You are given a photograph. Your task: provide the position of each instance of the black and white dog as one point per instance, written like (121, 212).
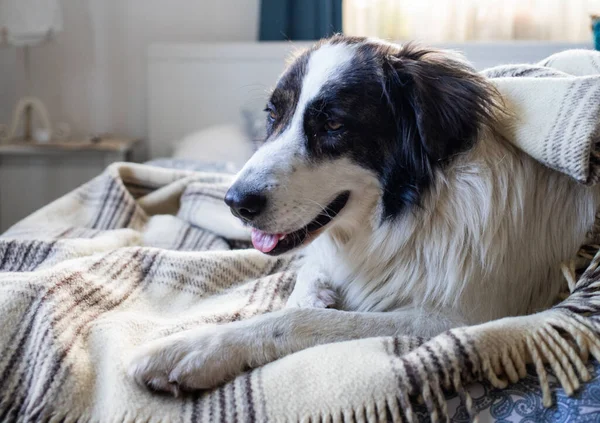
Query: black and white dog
(382, 160)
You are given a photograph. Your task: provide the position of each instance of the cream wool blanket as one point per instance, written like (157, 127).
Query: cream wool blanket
(142, 252)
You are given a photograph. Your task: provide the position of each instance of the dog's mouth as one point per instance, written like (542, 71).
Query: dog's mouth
(279, 243)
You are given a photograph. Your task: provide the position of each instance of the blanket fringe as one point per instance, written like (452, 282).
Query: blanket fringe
(560, 339)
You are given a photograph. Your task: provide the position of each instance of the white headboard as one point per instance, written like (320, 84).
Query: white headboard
(193, 86)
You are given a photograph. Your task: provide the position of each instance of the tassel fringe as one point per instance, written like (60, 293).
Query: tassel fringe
(561, 339)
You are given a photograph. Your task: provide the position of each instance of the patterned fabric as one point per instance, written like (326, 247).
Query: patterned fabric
(553, 110)
(142, 252)
(521, 402)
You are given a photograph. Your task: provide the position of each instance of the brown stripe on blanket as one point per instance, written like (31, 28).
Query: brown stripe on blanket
(68, 308)
(92, 301)
(233, 406)
(19, 253)
(395, 348)
(35, 363)
(197, 409)
(195, 241)
(557, 134)
(433, 396)
(535, 72)
(113, 205)
(89, 299)
(212, 242)
(105, 199)
(565, 103)
(32, 314)
(9, 368)
(120, 204)
(6, 252)
(440, 370)
(579, 118)
(205, 274)
(283, 279)
(115, 202)
(127, 211)
(222, 404)
(210, 398)
(466, 360)
(249, 404)
(25, 257)
(133, 209)
(44, 255)
(104, 304)
(238, 314)
(262, 413)
(185, 231)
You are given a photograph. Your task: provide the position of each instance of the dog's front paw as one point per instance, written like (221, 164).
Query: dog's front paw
(318, 296)
(190, 360)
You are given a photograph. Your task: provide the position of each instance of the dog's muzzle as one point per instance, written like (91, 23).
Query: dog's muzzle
(248, 205)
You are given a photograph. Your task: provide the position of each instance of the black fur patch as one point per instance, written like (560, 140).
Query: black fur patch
(285, 96)
(440, 105)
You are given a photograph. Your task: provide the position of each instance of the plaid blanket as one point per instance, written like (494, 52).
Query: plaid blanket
(141, 252)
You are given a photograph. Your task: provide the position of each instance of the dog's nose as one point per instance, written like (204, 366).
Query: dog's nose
(245, 205)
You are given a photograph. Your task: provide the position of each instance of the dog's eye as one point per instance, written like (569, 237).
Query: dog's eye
(272, 114)
(333, 125)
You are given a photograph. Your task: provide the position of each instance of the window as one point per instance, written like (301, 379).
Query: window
(471, 20)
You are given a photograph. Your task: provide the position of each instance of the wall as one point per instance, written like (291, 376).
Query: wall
(93, 75)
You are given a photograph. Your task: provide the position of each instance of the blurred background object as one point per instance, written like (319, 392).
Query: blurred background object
(299, 19)
(25, 24)
(470, 20)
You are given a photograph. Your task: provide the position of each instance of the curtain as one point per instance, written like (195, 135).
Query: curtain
(596, 30)
(299, 19)
(466, 20)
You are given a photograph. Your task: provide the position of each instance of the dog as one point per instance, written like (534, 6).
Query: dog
(383, 162)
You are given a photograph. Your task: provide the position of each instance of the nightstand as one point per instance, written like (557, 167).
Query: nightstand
(33, 175)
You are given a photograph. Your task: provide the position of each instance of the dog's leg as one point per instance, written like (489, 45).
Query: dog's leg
(312, 290)
(206, 357)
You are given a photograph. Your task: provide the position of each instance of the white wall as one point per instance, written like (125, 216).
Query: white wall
(93, 75)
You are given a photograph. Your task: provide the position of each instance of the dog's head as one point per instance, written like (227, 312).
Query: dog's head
(356, 128)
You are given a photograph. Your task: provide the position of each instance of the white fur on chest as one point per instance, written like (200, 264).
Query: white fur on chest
(487, 243)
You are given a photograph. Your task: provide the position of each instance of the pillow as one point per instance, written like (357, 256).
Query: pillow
(218, 143)
(195, 165)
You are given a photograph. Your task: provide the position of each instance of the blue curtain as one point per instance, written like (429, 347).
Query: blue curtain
(299, 19)
(596, 31)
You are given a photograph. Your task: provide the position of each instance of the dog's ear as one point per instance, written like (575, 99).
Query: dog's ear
(438, 99)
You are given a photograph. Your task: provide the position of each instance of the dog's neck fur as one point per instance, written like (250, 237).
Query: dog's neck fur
(487, 241)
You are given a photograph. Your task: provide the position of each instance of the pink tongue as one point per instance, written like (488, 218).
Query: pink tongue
(263, 241)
